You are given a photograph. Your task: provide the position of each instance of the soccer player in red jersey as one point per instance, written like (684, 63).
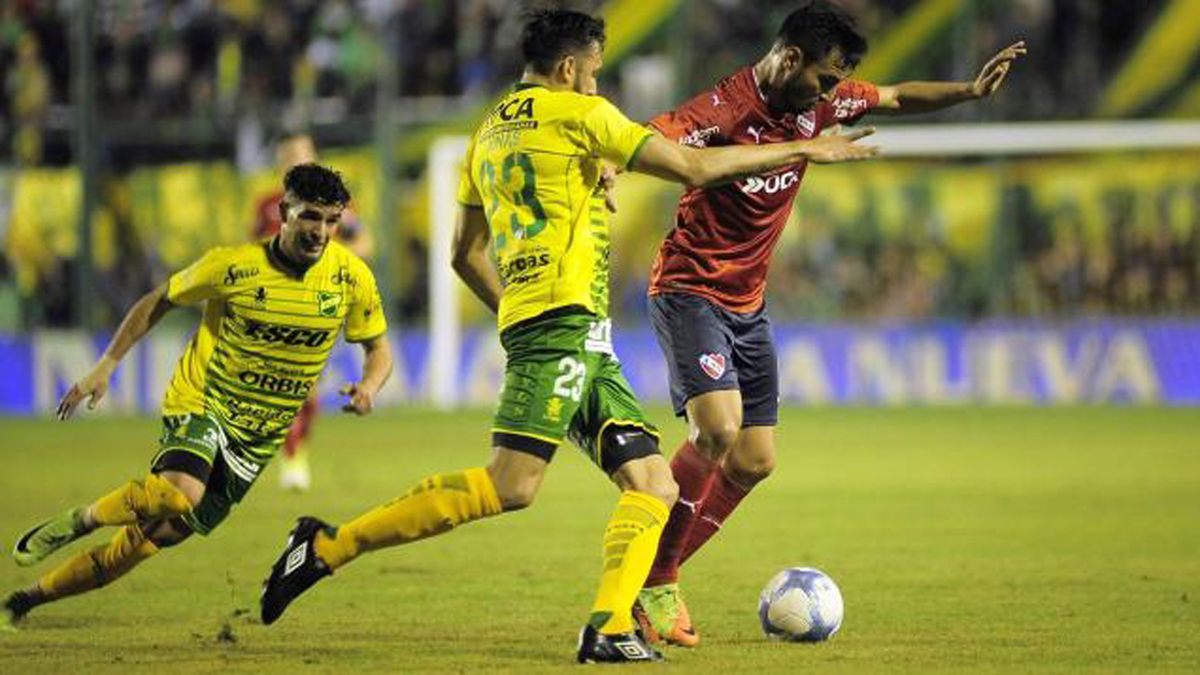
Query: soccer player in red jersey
(707, 284)
(293, 150)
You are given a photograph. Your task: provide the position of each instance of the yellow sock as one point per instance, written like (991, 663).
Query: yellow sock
(630, 544)
(434, 506)
(99, 566)
(152, 498)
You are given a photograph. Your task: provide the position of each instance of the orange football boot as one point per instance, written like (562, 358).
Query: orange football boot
(663, 616)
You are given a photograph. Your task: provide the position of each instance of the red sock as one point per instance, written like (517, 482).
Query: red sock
(693, 470)
(722, 499)
(300, 427)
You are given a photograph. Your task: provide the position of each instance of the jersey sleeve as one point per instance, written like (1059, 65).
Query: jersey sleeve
(468, 191)
(696, 122)
(365, 320)
(200, 281)
(852, 99)
(612, 135)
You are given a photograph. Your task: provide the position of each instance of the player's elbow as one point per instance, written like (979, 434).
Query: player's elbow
(460, 255)
(461, 260)
(157, 300)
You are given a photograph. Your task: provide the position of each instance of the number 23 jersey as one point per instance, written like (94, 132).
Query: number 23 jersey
(534, 167)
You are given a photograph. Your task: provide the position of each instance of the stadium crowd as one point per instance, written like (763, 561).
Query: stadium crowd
(159, 60)
(171, 58)
(1053, 271)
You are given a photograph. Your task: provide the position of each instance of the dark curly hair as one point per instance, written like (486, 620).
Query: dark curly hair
(551, 34)
(818, 26)
(317, 184)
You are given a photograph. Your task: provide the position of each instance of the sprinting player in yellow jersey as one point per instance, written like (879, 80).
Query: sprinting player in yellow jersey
(272, 313)
(532, 189)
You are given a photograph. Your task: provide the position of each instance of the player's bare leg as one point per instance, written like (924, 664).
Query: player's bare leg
(436, 505)
(750, 462)
(148, 514)
(294, 471)
(714, 421)
(648, 491)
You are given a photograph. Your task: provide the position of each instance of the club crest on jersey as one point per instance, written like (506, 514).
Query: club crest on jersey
(713, 365)
(327, 303)
(807, 123)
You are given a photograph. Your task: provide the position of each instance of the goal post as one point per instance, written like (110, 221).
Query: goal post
(898, 142)
(445, 324)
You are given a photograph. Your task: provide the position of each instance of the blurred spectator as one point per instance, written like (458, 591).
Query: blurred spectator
(28, 89)
(242, 71)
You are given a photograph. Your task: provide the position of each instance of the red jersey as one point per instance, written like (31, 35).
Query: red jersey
(721, 244)
(267, 220)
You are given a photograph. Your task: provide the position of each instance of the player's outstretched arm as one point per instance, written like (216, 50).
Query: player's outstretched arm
(377, 368)
(699, 167)
(912, 98)
(470, 256)
(137, 322)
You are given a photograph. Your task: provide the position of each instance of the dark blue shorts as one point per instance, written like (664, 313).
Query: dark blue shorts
(709, 348)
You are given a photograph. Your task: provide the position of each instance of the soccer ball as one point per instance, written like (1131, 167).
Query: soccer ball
(800, 604)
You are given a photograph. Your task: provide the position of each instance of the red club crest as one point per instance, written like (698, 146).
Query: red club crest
(713, 365)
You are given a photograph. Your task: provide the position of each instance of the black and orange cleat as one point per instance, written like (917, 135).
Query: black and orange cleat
(663, 616)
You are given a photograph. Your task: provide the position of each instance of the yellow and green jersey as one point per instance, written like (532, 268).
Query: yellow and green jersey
(265, 335)
(534, 167)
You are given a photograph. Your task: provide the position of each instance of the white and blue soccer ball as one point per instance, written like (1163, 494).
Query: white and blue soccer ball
(801, 604)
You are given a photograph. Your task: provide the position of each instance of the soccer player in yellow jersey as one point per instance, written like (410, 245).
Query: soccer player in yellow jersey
(531, 189)
(272, 313)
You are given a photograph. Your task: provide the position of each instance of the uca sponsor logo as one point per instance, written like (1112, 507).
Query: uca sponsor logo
(771, 184)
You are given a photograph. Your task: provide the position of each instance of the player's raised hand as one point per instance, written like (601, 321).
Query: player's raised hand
(835, 147)
(93, 387)
(362, 400)
(994, 71)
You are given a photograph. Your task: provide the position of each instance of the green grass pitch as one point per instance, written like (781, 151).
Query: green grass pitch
(963, 539)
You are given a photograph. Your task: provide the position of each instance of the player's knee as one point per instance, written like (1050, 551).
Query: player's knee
(516, 476)
(516, 495)
(167, 533)
(646, 471)
(662, 486)
(659, 484)
(716, 439)
(174, 492)
(749, 471)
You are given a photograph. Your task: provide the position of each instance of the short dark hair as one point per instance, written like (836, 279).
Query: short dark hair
(818, 26)
(317, 184)
(551, 34)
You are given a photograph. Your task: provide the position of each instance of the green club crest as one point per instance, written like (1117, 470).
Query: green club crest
(327, 303)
